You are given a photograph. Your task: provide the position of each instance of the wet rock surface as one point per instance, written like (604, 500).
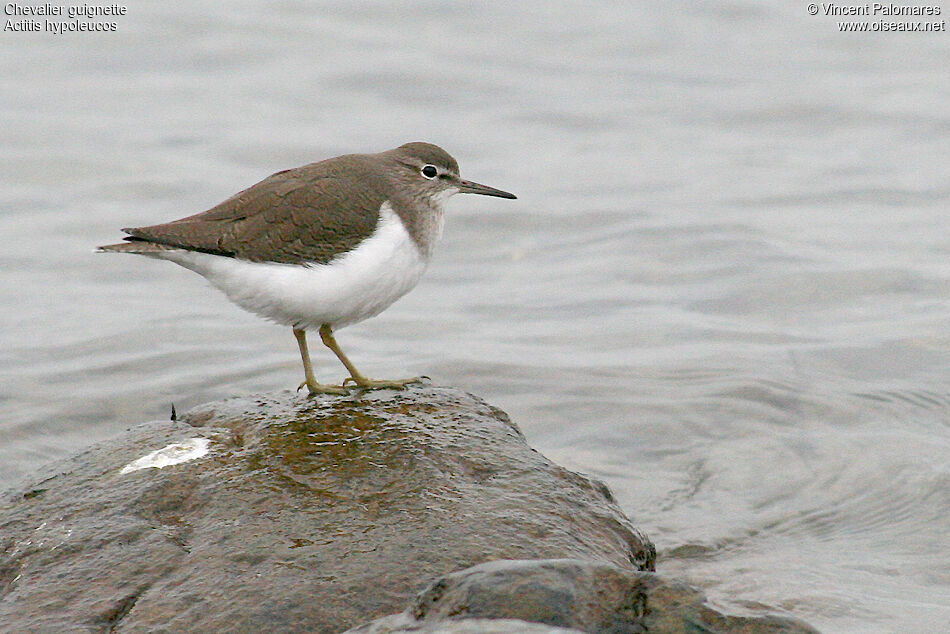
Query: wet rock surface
(285, 513)
(318, 514)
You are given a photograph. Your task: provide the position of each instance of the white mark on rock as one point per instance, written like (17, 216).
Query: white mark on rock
(176, 453)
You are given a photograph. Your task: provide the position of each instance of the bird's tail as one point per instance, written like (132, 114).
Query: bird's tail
(134, 246)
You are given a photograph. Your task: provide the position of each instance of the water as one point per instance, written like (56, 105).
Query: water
(724, 289)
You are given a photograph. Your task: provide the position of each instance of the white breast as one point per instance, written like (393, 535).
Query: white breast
(351, 288)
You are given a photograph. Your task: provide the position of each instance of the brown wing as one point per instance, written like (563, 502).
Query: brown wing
(308, 214)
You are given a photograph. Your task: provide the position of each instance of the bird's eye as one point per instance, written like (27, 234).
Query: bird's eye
(429, 171)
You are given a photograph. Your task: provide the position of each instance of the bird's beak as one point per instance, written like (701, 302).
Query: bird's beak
(468, 187)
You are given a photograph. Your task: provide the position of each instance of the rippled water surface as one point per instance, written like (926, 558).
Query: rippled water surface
(724, 289)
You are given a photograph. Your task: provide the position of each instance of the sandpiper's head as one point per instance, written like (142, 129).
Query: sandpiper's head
(430, 172)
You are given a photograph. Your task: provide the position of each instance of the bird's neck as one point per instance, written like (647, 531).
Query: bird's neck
(423, 220)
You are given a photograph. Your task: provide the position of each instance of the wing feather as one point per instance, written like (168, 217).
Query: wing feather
(308, 214)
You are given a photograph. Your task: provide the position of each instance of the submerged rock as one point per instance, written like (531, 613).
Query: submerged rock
(285, 513)
(584, 596)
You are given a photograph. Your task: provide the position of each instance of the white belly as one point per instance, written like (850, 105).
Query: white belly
(353, 287)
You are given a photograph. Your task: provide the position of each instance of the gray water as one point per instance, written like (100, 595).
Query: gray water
(724, 289)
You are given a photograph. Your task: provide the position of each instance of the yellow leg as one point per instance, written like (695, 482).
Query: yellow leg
(326, 335)
(310, 381)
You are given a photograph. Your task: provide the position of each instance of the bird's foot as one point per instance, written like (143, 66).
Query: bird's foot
(362, 382)
(320, 388)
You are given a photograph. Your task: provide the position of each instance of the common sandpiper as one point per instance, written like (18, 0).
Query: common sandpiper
(321, 246)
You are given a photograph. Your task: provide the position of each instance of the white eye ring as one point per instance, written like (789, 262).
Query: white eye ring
(429, 171)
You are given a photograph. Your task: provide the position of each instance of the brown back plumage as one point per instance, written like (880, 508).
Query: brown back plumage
(307, 214)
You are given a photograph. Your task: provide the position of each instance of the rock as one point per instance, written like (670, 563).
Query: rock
(285, 513)
(585, 596)
(404, 624)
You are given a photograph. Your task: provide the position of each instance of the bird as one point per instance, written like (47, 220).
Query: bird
(321, 246)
